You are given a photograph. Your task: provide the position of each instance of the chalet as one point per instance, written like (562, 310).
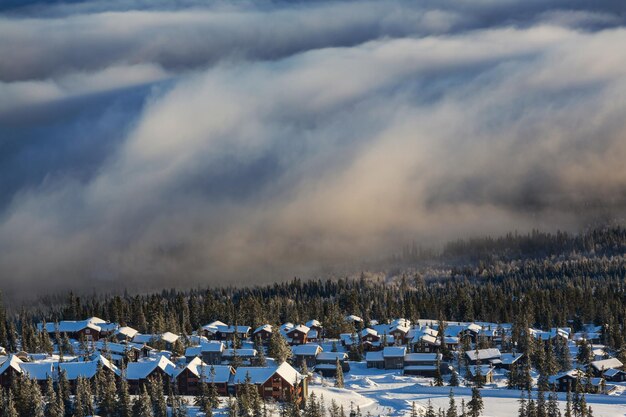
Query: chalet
(211, 352)
(87, 329)
(484, 356)
(138, 373)
(316, 330)
(228, 332)
(486, 373)
(423, 364)
(125, 334)
(297, 335)
(614, 375)
(394, 357)
(506, 360)
(568, 380)
(189, 377)
(599, 367)
(119, 352)
(10, 368)
(87, 369)
(425, 340)
(210, 330)
(374, 359)
(305, 354)
(348, 339)
(279, 383)
(463, 330)
(399, 333)
(246, 355)
(327, 363)
(167, 339)
(264, 333)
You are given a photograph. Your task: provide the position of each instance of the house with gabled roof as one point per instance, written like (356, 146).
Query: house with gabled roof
(305, 354)
(280, 383)
(10, 368)
(394, 357)
(139, 373)
(423, 364)
(210, 352)
(189, 378)
(263, 333)
(327, 363)
(125, 334)
(297, 335)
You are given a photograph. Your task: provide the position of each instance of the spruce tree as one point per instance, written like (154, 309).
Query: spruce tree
(159, 406)
(10, 410)
(279, 348)
(124, 405)
(475, 406)
(523, 406)
(438, 377)
(338, 374)
(454, 379)
(143, 406)
(451, 405)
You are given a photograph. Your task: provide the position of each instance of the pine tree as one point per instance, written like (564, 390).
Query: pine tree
(568, 404)
(430, 411)
(414, 410)
(339, 374)
(451, 405)
(159, 407)
(475, 405)
(279, 348)
(107, 398)
(454, 379)
(553, 406)
(124, 405)
(10, 410)
(523, 406)
(213, 395)
(143, 406)
(438, 377)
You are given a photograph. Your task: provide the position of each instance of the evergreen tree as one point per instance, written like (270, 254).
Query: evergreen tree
(143, 405)
(339, 374)
(523, 406)
(124, 405)
(475, 406)
(438, 377)
(454, 379)
(159, 406)
(10, 410)
(553, 406)
(430, 411)
(451, 406)
(278, 348)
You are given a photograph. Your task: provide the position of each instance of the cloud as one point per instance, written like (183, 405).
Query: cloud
(220, 148)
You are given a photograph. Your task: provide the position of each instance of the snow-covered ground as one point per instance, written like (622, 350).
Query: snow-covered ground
(388, 393)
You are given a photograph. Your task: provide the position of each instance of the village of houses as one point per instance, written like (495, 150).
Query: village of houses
(407, 354)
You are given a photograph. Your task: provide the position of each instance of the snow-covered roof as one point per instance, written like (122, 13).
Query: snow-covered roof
(127, 331)
(38, 370)
(353, 318)
(376, 356)
(266, 327)
(233, 329)
(197, 367)
(394, 351)
(207, 347)
(612, 372)
(169, 337)
(309, 349)
(313, 323)
(300, 328)
(69, 326)
(509, 358)
(483, 354)
(261, 375)
(312, 334)
(10, 361)
(607, 364)
(141, 370)
(332, 356)
(420, 367)
(368, 332)
(422, 357)
(243, 353)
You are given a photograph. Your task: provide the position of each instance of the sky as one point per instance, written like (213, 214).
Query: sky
(149, 144)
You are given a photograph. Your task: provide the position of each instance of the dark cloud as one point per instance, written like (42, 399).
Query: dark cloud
(154, 145)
